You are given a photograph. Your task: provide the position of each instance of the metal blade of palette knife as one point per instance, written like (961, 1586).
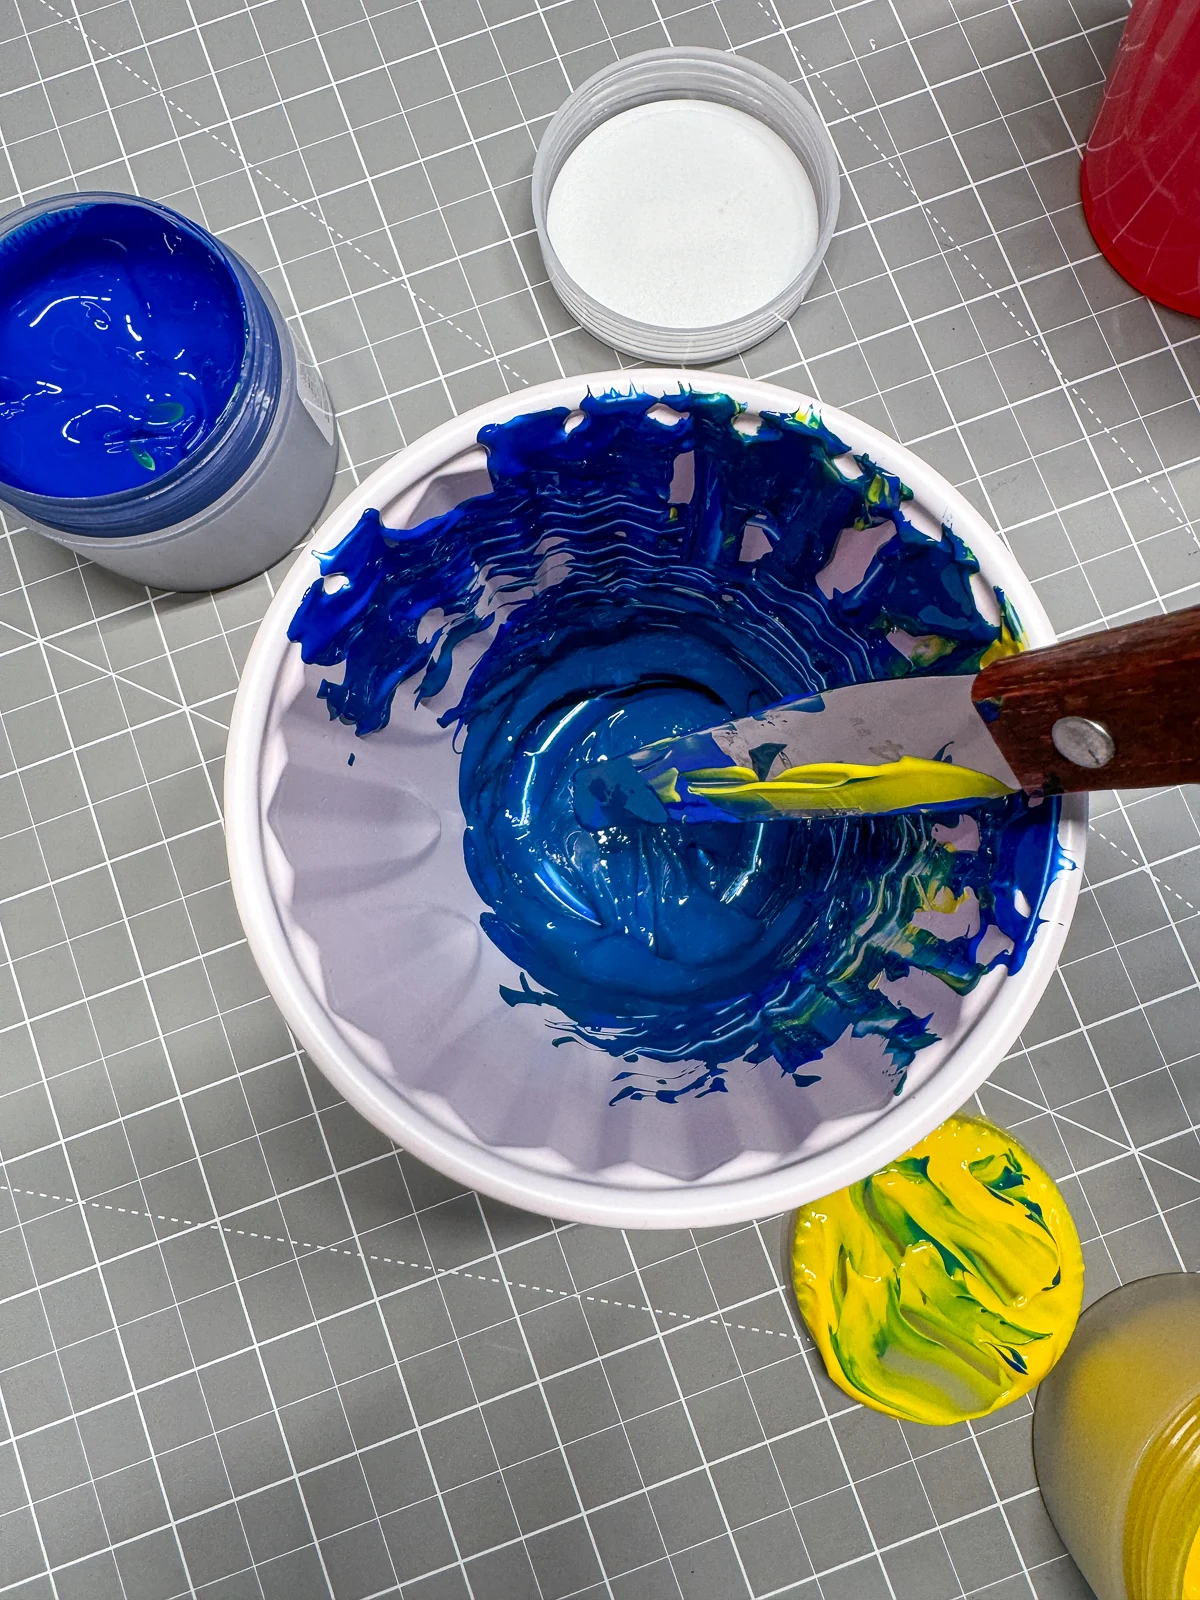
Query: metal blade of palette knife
(895, 745)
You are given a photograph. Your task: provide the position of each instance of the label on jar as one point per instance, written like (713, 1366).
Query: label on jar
(312, 394)
(311, 387)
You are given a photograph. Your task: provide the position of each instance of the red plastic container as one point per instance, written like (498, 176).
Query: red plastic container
(1141, 169)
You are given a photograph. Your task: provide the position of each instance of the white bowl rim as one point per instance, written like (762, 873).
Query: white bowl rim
(720, 1202)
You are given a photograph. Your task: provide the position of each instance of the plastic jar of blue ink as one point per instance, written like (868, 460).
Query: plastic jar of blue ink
(155, 412)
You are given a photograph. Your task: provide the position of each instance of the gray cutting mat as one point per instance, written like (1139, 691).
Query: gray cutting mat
(249, 1348)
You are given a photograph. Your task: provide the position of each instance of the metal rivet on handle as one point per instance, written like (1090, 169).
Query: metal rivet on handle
(1084, 743)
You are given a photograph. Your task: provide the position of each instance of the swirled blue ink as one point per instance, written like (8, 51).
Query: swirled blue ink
(632, 617)
(121, 343)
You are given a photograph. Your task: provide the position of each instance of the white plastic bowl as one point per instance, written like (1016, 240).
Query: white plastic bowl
(358, 909)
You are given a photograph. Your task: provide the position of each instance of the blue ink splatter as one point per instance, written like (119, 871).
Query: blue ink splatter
(633, 618)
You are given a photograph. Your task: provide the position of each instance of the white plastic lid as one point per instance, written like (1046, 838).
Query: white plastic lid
(684, 199)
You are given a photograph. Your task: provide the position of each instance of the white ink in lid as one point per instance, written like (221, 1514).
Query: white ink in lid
(684, 199)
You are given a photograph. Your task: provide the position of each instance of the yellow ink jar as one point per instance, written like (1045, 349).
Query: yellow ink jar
(1116, 1441)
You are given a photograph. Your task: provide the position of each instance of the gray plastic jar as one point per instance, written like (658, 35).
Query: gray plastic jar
(255, 484)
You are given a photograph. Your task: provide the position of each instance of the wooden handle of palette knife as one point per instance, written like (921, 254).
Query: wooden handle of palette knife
(1114, 710)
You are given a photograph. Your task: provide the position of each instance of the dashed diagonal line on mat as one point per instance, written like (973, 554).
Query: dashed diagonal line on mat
(1032, 334)
(685, 1317)
(402, 277)
(1143, 866)
(399, 276)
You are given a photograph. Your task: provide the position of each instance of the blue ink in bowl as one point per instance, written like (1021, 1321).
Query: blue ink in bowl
(121, 340)
(631, 616)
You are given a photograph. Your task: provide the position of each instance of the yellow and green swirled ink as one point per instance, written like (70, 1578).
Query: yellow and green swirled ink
(944, 1285)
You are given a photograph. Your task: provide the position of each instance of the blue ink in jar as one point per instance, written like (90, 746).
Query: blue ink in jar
(155, 413)
(121, 340)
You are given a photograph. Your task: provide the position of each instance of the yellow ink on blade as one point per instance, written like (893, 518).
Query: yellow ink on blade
(665, 786)
(944, 1285)
(843, 786)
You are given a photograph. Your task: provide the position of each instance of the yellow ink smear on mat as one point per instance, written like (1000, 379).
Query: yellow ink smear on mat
(944, 1285)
